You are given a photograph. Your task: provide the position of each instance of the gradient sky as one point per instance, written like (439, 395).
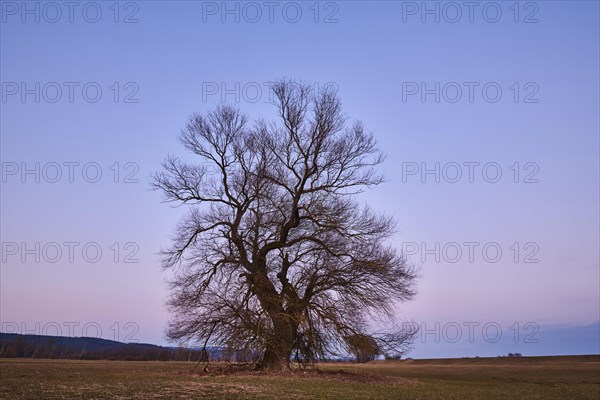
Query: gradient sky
(177, 58)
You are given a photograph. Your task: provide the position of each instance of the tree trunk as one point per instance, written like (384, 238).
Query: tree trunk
(279, 345)
(279, 348)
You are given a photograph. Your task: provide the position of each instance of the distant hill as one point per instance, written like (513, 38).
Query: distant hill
(14, 345)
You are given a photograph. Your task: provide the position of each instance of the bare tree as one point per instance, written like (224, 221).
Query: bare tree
(276, 256)
(364, 347)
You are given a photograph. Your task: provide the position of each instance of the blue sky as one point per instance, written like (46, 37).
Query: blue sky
(161, 61)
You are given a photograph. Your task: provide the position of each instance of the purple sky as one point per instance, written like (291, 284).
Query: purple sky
(489, 117)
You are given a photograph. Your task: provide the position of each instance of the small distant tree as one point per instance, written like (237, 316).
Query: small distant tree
(364, 347)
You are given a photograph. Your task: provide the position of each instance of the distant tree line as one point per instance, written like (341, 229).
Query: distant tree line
(32, 346)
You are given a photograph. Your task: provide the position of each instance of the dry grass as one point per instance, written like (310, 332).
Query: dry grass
(526, 378)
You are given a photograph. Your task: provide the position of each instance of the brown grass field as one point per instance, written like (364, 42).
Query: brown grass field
(564, 377)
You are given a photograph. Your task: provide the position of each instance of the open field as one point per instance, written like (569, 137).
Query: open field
(571, 377)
